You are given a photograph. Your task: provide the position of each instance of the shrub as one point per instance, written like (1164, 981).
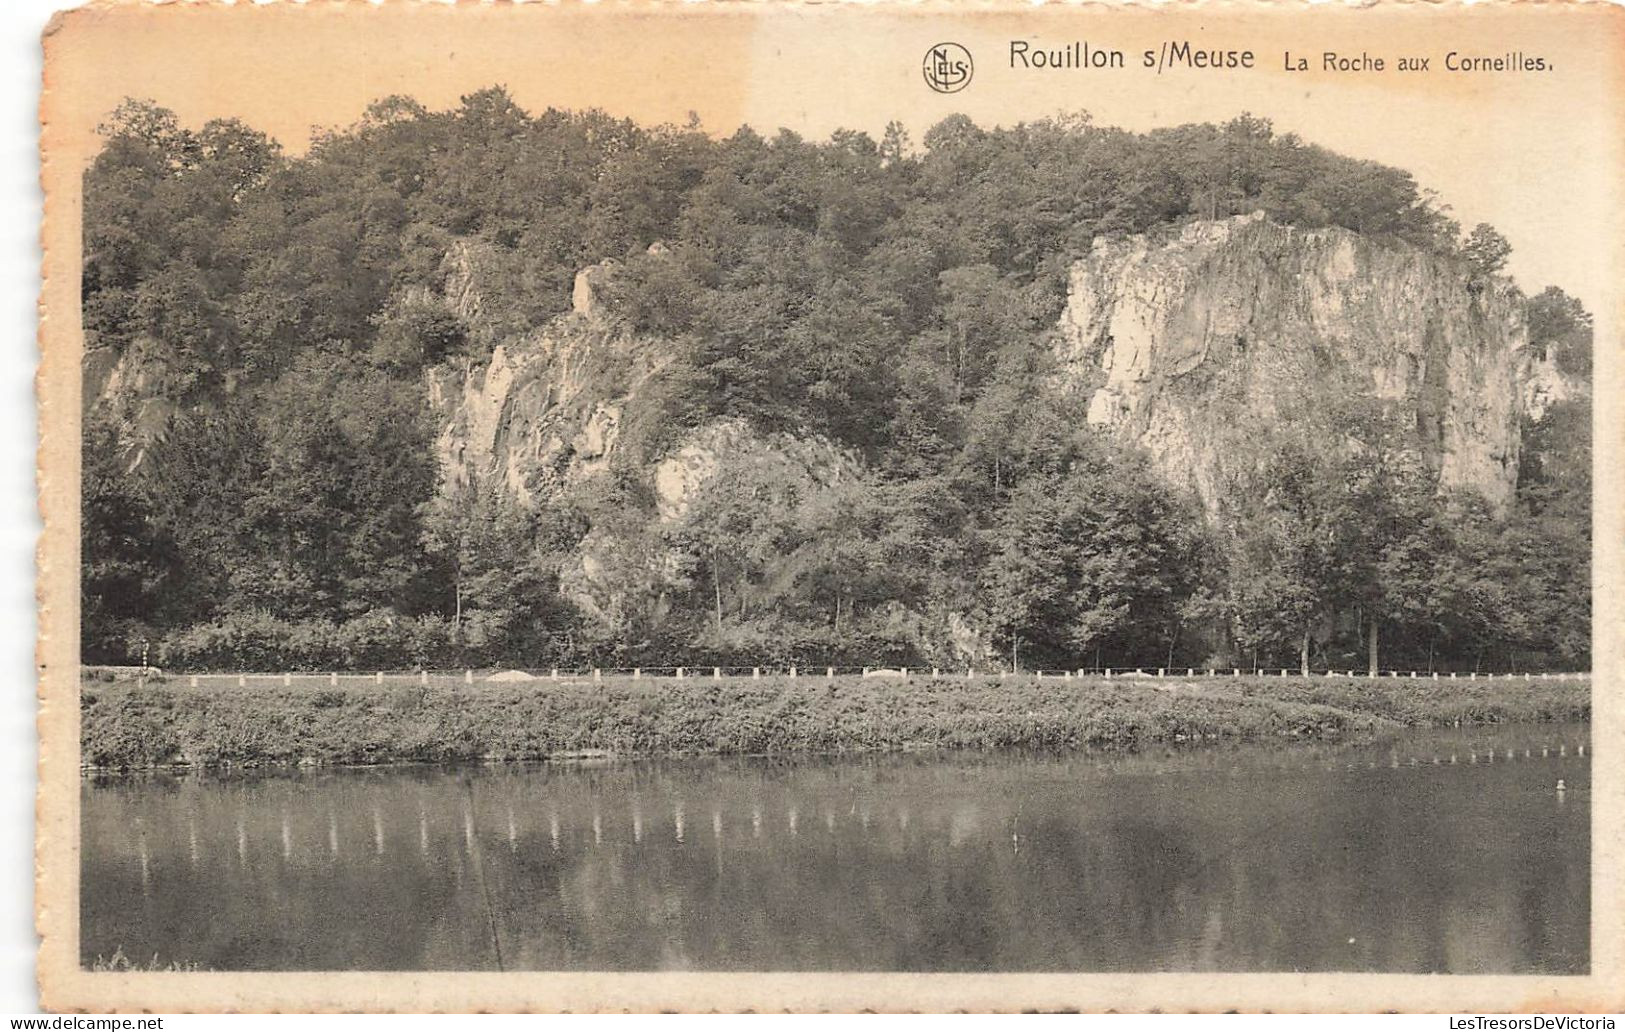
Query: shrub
(378, 640)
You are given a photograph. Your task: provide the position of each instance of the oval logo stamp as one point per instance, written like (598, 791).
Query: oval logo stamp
(948, 67)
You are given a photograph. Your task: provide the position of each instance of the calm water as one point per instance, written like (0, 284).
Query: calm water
(1214, 858)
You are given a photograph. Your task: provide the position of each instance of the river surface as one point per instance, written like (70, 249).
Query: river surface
(1438, 852)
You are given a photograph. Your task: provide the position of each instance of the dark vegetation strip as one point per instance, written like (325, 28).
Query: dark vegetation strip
(127, 725)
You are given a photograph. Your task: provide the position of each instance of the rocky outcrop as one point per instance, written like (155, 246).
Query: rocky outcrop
(1196, 344)
(1199, 342)
(589, 283)
(1546, 384)
(134, 391)
(540, 413)
(547, 413)
(811, 462)
(625, 572)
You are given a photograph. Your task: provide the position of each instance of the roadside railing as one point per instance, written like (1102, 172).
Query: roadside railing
(576, 675)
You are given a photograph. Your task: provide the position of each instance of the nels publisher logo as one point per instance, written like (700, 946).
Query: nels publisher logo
(948, 67)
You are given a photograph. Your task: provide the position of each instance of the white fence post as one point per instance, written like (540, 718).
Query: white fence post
(597, 674)
(287, 680)
(423, 677)
(379, 676)
(468, 677)
(333, 679)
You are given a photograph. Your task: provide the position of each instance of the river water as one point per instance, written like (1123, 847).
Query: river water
(1437, 852)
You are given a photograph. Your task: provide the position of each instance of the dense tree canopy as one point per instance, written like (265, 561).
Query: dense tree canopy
(274, 470)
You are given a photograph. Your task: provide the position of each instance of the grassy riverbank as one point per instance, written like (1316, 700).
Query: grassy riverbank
(125, 724)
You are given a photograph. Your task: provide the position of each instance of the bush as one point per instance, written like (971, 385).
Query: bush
(378, 640)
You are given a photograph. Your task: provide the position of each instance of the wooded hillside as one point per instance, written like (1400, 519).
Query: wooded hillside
(261, 490)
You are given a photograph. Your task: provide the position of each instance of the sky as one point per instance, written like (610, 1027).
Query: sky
(1537, 154)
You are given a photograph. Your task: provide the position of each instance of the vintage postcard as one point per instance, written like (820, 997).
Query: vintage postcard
(774, 506)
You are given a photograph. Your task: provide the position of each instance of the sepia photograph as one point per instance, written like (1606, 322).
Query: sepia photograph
(626, 493)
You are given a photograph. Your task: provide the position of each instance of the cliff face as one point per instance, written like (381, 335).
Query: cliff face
(1197, 344)
(540, 414)
(546, 413)
(1546, 384)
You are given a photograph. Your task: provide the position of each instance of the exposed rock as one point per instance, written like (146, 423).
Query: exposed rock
(1546, 385)
(541, 413)
(622, 574)
(1197, 342)
(135, 391)
(462, 270)
(1192, 343)
(969, 644)
(101, 369)
(584, 299)
(617, 579)
(679, 476)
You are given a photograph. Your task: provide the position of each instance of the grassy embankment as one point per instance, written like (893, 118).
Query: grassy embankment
(125, 724)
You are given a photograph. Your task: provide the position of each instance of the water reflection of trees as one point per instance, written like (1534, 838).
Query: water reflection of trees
(1039, 863)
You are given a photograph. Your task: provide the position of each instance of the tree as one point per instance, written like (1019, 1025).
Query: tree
(1093, 556)
(1485, 250)
(417, 329)
(1287, 548)
(503, 564)
(1560, 328)
(127, 562)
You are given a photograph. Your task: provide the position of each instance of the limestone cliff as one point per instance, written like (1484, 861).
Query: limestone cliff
(546, 414)
(1198, 342)
(1195, 343)
(540, 413)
